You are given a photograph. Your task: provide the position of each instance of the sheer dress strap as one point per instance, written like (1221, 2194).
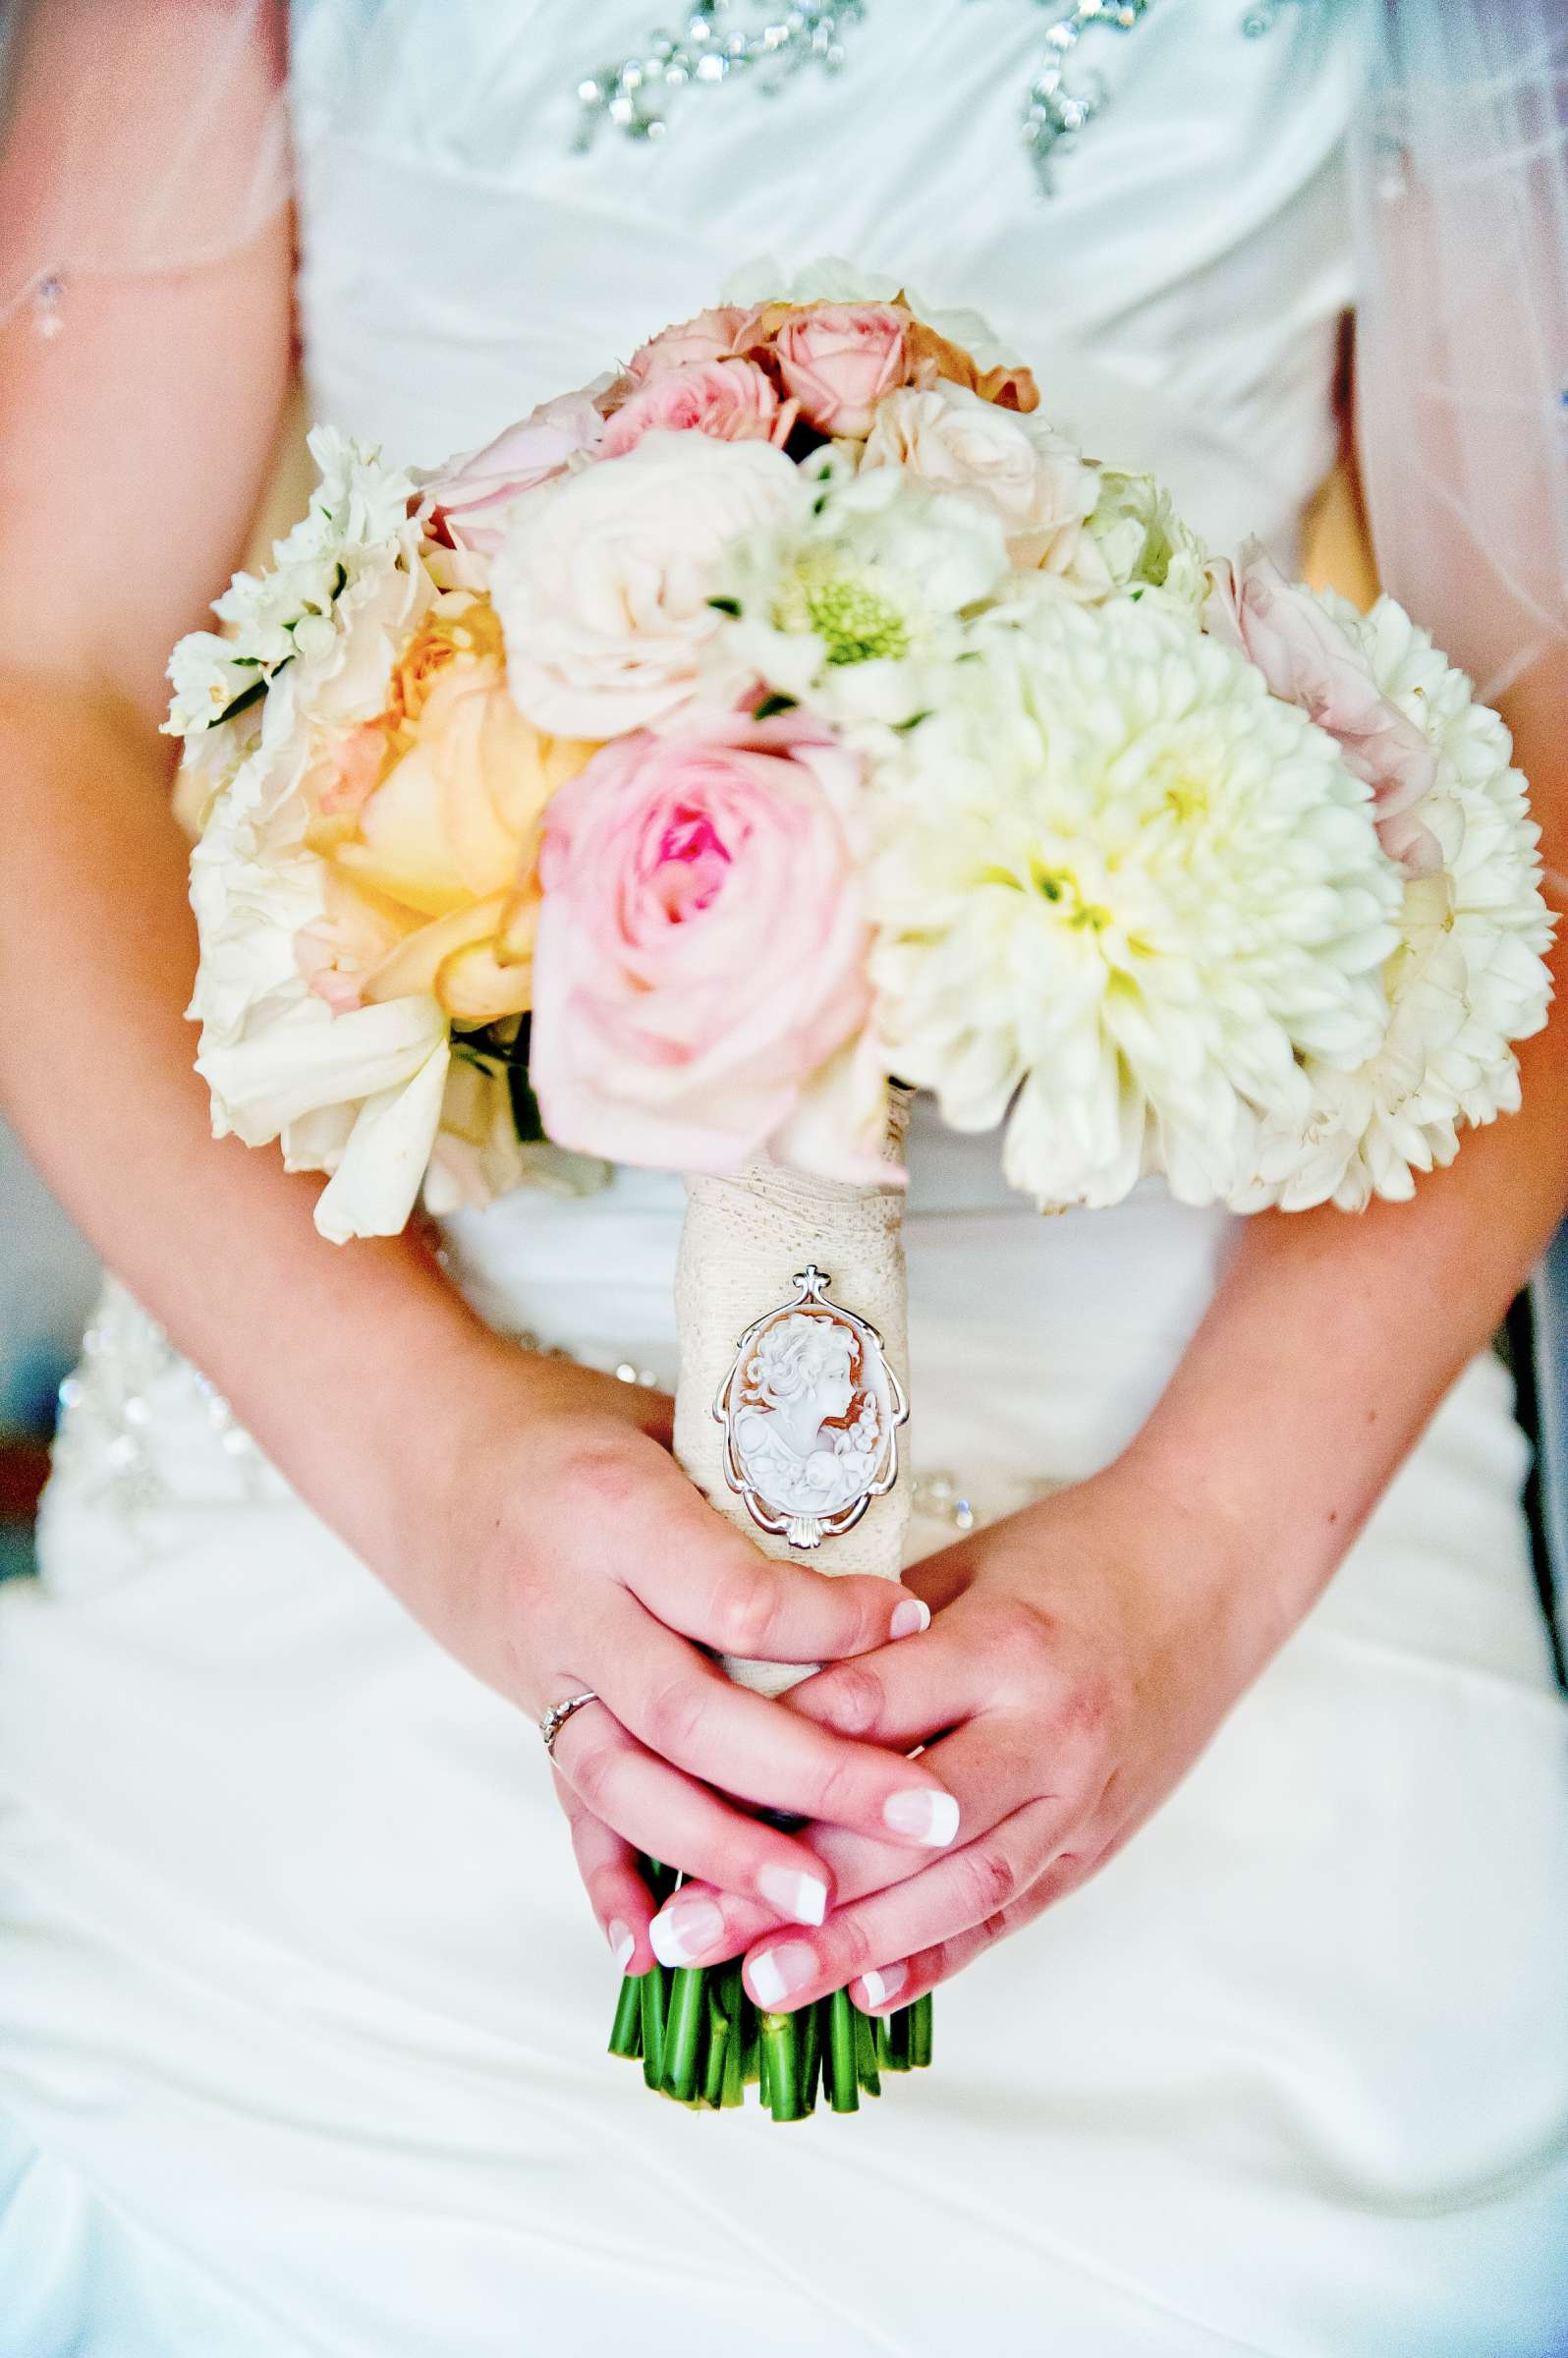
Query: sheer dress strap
(135, 136)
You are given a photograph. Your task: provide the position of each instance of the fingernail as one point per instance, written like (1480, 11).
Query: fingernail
(881, 1987)
(801, 1896)
(778, 1973)
(681, 1932)
(623, 1945)
(931, 1818)
(911, 1617)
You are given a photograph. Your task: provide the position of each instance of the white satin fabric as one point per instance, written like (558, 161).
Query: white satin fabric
(302, 2013)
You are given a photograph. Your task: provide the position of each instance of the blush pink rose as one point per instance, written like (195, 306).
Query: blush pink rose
(466, 503)
(1308, 660)
(710, 336)
(730, 400)
(839, 359)
(702, 950)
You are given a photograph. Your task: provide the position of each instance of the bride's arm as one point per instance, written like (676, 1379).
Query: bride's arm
(513, 1503)
(1084, 1651)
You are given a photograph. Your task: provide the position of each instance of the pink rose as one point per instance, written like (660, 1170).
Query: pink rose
(1308, 660)
(730, 400)
(838, 360)
(710, 336)
(702, 950)
(464, 503)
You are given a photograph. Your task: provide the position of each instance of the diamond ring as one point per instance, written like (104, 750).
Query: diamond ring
(556, 1718)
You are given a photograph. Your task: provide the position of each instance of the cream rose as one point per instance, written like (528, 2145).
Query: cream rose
(604, 580)
(1039, 481)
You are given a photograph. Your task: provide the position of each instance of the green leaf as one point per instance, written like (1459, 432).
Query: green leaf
(725, 605)
(248, 695)
(524, 1105)
(772, 706)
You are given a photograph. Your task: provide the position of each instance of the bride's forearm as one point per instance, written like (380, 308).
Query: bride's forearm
(1333, 1338)
(96, 957)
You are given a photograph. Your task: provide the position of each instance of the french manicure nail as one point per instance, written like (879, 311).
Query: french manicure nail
(930, 1818)
(778, 1973)
(623, 1944)
(801, 1896)
(881, 1987)
(910, 1617)
(682, 1931)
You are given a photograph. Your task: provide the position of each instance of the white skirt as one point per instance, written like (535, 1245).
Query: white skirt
(302, 2012)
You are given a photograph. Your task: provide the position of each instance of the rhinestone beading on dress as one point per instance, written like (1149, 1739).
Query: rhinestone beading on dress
(707, 50)
(141, 1430)
(633, 94)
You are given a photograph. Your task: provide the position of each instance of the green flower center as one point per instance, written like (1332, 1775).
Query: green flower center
(855, 619)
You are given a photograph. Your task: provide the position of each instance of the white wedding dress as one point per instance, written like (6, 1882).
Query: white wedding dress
(302, 2010)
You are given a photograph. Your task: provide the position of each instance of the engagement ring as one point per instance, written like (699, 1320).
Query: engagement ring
(556, 1718)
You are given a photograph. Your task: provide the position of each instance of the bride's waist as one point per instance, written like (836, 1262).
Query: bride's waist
(594, 1275)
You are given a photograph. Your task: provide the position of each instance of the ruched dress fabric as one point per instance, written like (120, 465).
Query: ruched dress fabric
(301, 2009)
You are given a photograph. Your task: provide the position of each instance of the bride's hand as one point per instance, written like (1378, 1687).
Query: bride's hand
(568, 1553)
(1081, 1656)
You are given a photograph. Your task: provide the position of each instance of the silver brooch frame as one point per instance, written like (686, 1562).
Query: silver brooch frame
(811, 1410)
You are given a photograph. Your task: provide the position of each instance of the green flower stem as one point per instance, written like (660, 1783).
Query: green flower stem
(732, 2092)
(845, 2092)
(811, 2054)
(719, 2041)
(654, 1988)
(682, 2033)
(870, 2077)
(702, 2041)
(626, 2032)
(781, 2043)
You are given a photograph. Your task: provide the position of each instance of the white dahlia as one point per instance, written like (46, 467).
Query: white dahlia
(1467, 978)
(850, 603)
(1123, 890)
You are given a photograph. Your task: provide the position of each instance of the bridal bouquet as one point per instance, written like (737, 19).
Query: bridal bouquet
(788, 720)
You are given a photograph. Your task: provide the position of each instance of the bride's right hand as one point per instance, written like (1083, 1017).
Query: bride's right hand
(569, 1553)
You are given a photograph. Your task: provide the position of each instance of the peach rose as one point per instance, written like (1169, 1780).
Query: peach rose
(702, 952)
(839, 359)
(730, 400)
(710, 336)
(430, 849)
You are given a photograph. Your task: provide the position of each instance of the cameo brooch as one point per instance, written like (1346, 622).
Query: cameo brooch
(811, 1412)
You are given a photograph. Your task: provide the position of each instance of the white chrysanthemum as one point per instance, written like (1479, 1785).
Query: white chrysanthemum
(849, 605)
(1121, 884)
(1468, 977)
(1142, 545)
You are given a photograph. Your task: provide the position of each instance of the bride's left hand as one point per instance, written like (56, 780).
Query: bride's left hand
(1080, 1658)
